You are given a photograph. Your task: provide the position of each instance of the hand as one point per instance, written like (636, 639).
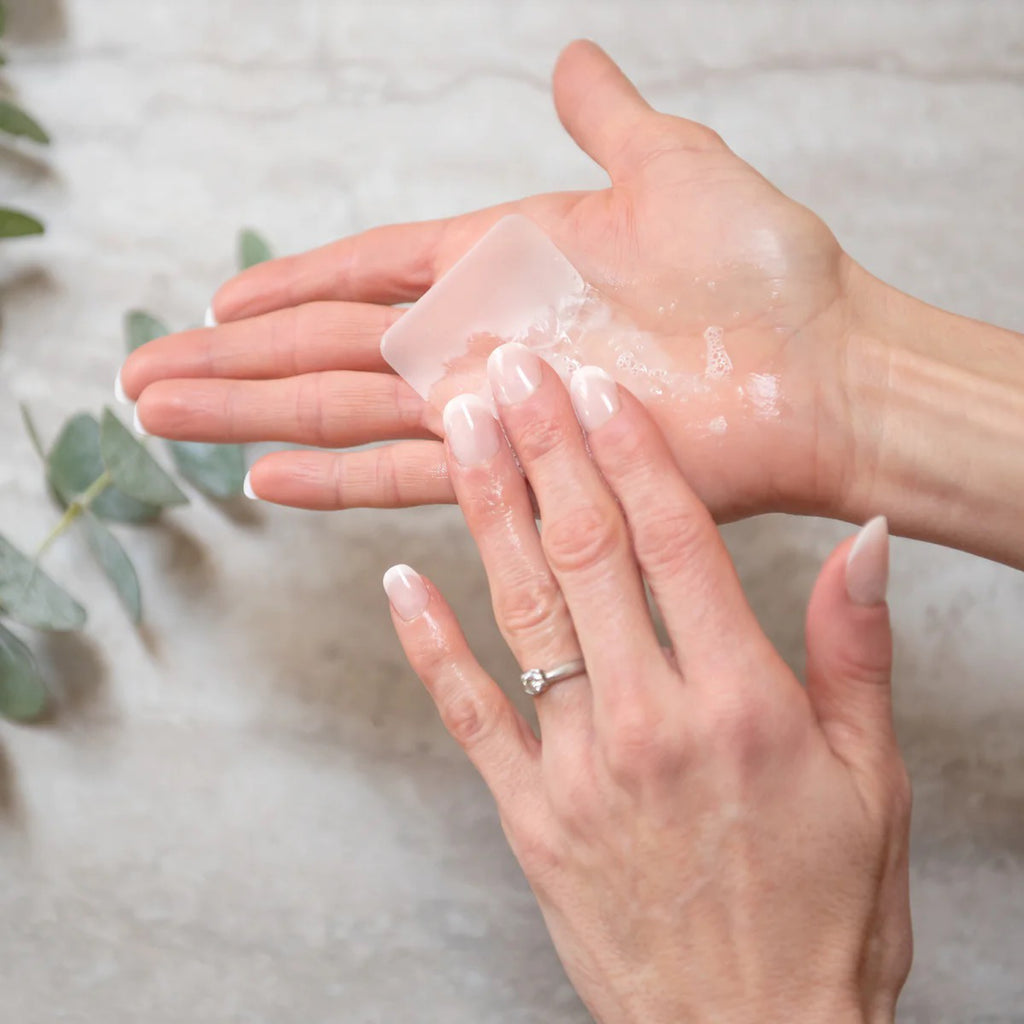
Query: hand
(688, 236)
(707, 840)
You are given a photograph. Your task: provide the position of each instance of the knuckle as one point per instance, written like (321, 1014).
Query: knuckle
(529, 607)
(311, 409)
(537, 437)
(635, 743)
(584, 540)
(467, 718)
(667, 540)
(735, 725)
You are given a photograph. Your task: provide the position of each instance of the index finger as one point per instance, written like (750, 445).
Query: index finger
(385, 265)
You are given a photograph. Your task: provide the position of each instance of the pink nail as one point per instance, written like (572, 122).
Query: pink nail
(515, 373)
(406, 591)
(595, 396)
(867, 565)
(471, 430)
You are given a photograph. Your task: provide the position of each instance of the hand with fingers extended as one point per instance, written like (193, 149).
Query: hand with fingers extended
(708, 841)
(687, 236)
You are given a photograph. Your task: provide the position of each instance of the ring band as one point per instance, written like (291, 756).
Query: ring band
(535, 680)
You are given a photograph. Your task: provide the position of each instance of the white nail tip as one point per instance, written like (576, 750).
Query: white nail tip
(247, 488)
(119, 391)
(137, 424)
(209, 320)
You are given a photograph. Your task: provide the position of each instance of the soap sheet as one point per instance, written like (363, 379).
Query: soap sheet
(513, 285)
(516, 285)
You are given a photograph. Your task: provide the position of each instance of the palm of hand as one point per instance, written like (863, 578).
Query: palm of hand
(687, 237)
(696, 239)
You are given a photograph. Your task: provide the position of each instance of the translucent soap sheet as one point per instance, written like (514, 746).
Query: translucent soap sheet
(516, 285)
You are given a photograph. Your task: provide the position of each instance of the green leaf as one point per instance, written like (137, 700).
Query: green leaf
(218, 470)
(75, 462)
(140, 327)
(114, 561)
(134, 470)
(23, 695)
(14, 121)
(252, 249)
(30, 429)
(14, 224)
(29, 596)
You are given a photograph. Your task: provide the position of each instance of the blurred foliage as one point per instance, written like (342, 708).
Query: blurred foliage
(98, 472)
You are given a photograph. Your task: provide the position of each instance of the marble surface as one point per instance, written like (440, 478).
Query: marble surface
(249, 813)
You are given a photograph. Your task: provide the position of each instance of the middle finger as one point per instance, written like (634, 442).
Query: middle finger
(584, 535)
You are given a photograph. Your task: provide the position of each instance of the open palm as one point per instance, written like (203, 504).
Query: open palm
(687, 238)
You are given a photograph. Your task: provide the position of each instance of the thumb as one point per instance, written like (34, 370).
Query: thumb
(599, 106)
(849, 645)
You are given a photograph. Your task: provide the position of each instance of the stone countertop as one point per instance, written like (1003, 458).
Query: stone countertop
(249, 812)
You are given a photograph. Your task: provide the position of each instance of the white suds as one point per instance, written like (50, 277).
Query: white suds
(762, 390)
(718, 425)
(718, 362)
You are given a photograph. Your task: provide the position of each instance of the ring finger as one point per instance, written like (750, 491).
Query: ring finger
(528, 603)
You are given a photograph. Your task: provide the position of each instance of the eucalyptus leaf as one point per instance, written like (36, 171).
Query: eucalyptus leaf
(30, 429)
(23, 695)
(30, 597)
(141, 327)
(14, 121)
(14, 224)
(134, 470)
(218, 470)
(114, 561)
(75, 462)
(252, 249)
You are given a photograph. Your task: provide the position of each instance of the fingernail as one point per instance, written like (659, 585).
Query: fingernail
(471, 430)
(514, 372)
(406, 591)
(595, 396)
(137, 425)
(119, 391)
(247, 487)
(867, 565)
(209, 320)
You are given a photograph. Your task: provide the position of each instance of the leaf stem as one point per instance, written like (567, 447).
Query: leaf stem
(76, 508)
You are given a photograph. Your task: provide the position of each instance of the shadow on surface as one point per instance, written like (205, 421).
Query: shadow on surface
(36, 21)
(75, 673)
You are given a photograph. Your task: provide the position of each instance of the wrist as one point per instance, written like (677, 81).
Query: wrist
(935, 411)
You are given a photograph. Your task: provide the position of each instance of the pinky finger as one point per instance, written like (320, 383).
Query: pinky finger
(473, 708)
(395, 475)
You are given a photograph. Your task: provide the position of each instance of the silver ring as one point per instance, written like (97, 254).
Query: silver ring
(535, 680)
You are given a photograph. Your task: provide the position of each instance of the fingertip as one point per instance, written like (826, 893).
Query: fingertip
(247, 488)
(119, 393)
(867, 564)
(406, 591)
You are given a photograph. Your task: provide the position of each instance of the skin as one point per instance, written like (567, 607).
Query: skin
(708, 840)
(687, 235)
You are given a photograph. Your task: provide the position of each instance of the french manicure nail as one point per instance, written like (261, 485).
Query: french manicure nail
(515, 373)
(595, 396)
(137, 424)
(247, 487)
(119, 391)
(209, 320)
(867, 565)
(471, 430)
(406, 591)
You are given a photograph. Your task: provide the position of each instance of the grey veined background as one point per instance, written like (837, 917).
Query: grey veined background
(251, 814)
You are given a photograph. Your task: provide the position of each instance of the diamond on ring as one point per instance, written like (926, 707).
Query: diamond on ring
(535, 680)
